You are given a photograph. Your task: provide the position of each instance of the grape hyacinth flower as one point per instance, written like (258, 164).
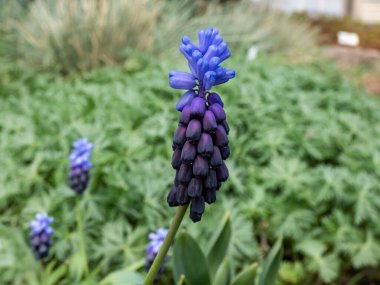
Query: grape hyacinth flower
(200, 143)
(40, 235)
(156, 240)
(80, 165)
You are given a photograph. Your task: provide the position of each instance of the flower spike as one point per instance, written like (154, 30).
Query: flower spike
(40, 235)
(80, 165)
(201, 142)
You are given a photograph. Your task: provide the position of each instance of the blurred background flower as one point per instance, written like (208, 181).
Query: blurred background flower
(156, 240)
(80, 165)
(40, 235)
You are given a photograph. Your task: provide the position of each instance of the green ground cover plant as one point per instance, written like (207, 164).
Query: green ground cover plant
(305, 165)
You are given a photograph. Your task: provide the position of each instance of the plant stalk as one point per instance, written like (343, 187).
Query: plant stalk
(166, 245)
(42, 272)
(82, 245)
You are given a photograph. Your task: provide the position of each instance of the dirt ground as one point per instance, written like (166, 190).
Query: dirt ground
(363, 64)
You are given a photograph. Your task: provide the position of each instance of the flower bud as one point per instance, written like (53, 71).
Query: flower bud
(182, 197)
(180, 136)
(176, 158)
(200, 166)
(195, 187)
(186, 100)
(211, 180)
(216, 158)
(210, 195)
(176, 181)
(222, 172)
(214, 98)
(195, 217)
(226, 126)
(189, 152)
(184, 118)
(221, 138)
(225, 152)
(205, 146)
(184, 173)
(194, 130)
(209, 122)
(218, 111)
(198, 107)
(172, 197)
(197, 208)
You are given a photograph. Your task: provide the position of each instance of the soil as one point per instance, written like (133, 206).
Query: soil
(365, 61)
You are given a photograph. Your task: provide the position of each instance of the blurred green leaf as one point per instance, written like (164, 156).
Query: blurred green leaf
(76, 266)
(271, 265)
(190, 261)
(219, 243)
(55, 275)
(222, 276)
(325, 264)
(182, 280)
(246, 277)
(368, 253)
(123, 277)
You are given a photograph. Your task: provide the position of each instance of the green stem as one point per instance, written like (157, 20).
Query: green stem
(82, 245)
(166, 245)
(42, 273)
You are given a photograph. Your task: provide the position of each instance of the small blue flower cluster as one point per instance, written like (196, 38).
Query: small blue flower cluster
(80, 165)
(156, 240)
(200, 143)
(204, 63)
(40, 235)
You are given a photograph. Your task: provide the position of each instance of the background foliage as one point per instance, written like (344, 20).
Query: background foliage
(305, 151)
(305, 163)
(81, 35)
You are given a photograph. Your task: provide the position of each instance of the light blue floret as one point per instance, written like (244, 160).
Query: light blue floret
(204, 63)
(156, 240)
(81, 154)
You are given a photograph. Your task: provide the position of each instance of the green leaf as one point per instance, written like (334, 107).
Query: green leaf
(57, 274)
(182, 280)
(246, 277)
(368, 253)
(292, 272)
(313, 248)
(327, 265)
(75, 266)
(222, 276)
(219, 244)
(123, 277)
(271, 265)
(190, 261)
